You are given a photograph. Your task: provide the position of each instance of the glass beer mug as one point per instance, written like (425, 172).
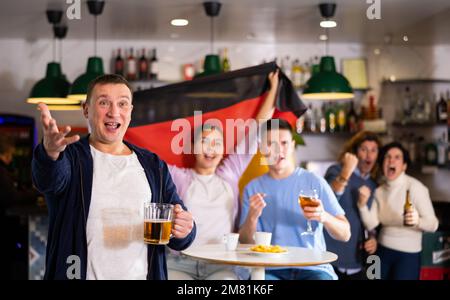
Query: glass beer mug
(158, 218)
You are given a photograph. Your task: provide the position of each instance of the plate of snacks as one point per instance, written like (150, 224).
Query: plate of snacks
(268, 251)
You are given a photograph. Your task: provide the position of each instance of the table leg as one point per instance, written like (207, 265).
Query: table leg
(258, 274)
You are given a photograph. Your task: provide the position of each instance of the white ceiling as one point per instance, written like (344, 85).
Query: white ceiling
(283, 21)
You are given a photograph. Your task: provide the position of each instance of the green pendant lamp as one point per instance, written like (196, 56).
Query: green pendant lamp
(211, 65)
(54, 88)
(78, 90)
(327, 84)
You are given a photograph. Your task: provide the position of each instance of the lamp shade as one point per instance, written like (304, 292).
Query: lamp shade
(79, 87)
(211, 65)
(327, 84)
(52, 89)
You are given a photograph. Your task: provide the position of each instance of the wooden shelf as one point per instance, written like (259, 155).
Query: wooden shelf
(417, 81)
(418, 124)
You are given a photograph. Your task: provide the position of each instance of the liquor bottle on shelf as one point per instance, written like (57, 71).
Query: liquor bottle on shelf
(331, 118)
(322, 119)
(226, 67)
(131, 66)
(312, 125)
(296, 74)
(372, 112)
(341, 118)
(406, 105)
(143, 66)
(300, 124)
(441, 110)
(442, 151)
(352, 119)
(154, 68)
(308, 118)
(306, 73)
(119, 64)
(286, 66)
(431, 154)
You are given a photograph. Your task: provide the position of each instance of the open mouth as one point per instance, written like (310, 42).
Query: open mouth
(391, 171)
(209, 157)
(112, 126)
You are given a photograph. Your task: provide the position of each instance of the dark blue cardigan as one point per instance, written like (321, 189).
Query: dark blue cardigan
(67, 185)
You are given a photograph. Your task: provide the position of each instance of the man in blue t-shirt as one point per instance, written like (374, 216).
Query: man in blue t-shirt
(271, 205)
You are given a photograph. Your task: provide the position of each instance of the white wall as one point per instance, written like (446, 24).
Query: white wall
(25, 61)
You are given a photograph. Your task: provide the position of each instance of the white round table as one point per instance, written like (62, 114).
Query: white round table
(242, 256)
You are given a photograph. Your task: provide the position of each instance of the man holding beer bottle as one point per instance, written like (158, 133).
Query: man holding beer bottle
(96, 187)
(271, 204)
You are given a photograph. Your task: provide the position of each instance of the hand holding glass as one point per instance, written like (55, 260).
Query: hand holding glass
(307, 198)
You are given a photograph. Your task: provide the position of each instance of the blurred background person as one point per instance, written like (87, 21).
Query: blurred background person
(400, 238)
(11, 195)
(354, 174)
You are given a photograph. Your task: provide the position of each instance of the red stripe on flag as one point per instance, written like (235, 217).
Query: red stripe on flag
(158, 137)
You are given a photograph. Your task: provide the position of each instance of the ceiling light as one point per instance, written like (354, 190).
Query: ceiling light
(179, 22)
(405, 38)
(376, 51)
(323, 37)
(328, 24)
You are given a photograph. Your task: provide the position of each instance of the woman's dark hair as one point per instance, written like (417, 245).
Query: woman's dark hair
(388, 147)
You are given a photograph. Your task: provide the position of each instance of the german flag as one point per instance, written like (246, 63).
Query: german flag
(232, 95)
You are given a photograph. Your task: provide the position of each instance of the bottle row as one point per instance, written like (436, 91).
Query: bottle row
(431, 153)
(419, 108)
(143, 66)
(337, 117)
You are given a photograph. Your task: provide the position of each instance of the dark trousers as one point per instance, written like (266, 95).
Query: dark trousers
(397, 265)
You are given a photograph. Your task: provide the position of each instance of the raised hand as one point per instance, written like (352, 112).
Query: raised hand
(349, 163)
(364, 195)
(257, 205)
(55, 141)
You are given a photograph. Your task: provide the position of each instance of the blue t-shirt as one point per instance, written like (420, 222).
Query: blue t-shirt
(283, 215)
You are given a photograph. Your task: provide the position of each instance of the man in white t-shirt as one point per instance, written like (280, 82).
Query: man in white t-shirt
(96, 188)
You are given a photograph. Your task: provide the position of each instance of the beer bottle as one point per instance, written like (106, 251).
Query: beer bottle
(406, 208)
(119, 64)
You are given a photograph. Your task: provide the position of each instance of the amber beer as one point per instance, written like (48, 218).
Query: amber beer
(305, 201)
(157, 232)
(406, 208)
(158, 219)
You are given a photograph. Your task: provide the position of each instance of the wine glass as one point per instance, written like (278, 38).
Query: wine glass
(306, 198)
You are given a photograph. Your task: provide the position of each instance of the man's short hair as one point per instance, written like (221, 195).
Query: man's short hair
(106, 79)
(276, 124)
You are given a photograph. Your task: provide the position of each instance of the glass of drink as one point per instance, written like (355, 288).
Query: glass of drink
(307, 198)
(158, 219)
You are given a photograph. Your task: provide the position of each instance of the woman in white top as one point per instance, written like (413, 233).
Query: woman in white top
(399, 245)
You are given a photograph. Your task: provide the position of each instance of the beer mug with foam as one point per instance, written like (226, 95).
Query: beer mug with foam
(158, 218)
